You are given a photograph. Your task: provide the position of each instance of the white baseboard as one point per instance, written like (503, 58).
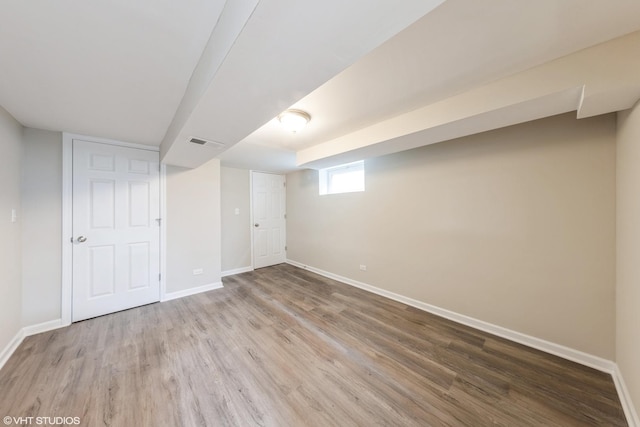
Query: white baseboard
(11, 347)
(187, 292)
(595, 362)
(236, 271)
(577, 356)
(625, 398)
(27, 331)
(43, 327)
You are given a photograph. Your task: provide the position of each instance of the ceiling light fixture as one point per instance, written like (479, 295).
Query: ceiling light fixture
(294, 120)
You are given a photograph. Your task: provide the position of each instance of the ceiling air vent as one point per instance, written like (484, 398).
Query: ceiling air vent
(201, 141)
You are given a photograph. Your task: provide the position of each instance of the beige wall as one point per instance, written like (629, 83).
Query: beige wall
(10, 232)
(628, 251)
(236, 231)
(514, 227)
(193, 226)
(41, 226)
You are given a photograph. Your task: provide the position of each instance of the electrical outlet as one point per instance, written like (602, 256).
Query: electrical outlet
(363, 267)
(198, 271)
(237, 211)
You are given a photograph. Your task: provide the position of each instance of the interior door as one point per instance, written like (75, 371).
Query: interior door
(269, 220)
(116, 228)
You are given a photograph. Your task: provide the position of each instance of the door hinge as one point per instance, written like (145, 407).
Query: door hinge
(159, 221)
(159, 277)
(285, 216)
(285, 248)
(284, 184)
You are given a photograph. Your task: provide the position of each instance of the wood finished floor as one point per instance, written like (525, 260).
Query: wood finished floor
(284, 347)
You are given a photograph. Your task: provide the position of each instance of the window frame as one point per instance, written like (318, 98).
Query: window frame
(325, 177)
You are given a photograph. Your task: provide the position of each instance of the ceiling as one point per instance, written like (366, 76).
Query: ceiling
(378, 77)
(115, 69)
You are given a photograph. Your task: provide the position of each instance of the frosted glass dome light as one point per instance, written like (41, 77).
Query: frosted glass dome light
(294, 120)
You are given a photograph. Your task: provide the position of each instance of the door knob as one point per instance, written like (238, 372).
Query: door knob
(256, 225)
(81, 239)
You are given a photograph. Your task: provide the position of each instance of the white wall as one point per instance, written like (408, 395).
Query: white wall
(515, 227)
(10, 233)
(193, 226)
(41, 226)
(628, 251)
(236, 228)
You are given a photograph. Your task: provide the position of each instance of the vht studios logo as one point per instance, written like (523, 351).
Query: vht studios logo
(41, 421)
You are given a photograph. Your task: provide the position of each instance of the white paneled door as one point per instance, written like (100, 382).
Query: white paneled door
(116, 230)
(269, 223)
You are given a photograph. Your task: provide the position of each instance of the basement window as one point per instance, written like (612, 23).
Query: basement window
(348, 178)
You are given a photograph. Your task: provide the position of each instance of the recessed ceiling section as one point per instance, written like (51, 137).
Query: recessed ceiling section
(461, 46)
(285, 51)
(593, 81)
(436, 123)
(259, 157)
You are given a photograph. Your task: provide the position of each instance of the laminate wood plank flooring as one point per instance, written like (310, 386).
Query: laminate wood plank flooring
(282, 346)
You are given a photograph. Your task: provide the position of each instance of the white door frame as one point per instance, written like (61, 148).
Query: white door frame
(251, 171)
(253, 267)
(67, 217)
